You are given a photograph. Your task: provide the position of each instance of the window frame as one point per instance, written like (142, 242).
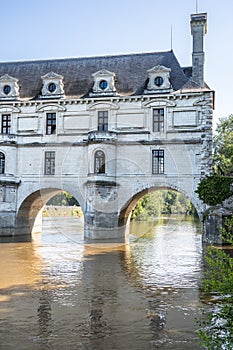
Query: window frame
(102, 120)
(2, 163)
(49, 162)
(99, 162)
(6, 123)
(158, 119)
(158, 157)
(51, 123)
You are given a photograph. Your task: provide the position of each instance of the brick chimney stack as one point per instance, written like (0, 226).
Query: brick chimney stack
(198, 29)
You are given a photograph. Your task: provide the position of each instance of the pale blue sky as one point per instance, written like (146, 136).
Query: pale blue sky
(69, 28)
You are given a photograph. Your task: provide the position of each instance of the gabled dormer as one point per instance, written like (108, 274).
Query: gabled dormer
(104, 83)
(52, 85)
(9, 89)
(158, 80)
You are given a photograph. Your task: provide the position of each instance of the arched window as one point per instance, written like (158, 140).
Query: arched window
(2, 163)
(99, 162)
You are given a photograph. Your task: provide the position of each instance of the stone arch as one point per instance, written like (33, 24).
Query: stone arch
(29, 215)
(127, 208)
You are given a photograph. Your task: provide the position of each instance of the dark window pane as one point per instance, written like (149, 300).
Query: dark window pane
(103, 120)
(103, 84)
(158, 81)
(49, 163)
(6, 123)
(52, 87)
(157, 161)
(2, 163)
(7, 89)
(158, 120)
(99, 162)
(50, 123)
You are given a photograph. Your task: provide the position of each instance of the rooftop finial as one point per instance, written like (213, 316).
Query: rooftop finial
(196, 6)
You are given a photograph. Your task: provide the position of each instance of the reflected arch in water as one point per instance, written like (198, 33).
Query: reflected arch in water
(29, 215)
(126, 210)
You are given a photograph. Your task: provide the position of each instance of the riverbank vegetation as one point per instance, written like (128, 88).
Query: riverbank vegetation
(162, 202)
(63, 198)
(62, 204)
(215, 188)
(216, 328)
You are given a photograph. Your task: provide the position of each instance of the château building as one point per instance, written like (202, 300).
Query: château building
(106, 129)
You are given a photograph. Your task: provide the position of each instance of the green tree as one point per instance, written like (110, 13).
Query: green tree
(63, 198)
(148, 207)
(160, 202)
(214, 189)
(223, 146)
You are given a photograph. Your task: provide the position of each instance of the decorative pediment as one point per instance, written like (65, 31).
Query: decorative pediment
(104, 83)
(9, 89)
(51, 108)
(159, 80)
(159, 68)
(52, 75)
(52, 85)
(7, 77)
(103, 106)
(156, 103)
(103, 72)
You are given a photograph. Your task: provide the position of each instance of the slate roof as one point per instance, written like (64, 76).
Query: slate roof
(130, 70)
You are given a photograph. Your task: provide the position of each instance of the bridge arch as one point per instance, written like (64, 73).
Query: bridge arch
(29, 214)
(129, 205)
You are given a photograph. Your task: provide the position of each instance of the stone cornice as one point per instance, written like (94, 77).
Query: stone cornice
(108, 99)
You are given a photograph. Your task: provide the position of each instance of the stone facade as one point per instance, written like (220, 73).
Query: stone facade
(215, 221)
(105, 129)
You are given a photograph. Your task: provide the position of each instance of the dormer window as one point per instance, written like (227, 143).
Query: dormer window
(104, 83)
(159, 80)
(9, 88)
(6, 89)
(52, 85)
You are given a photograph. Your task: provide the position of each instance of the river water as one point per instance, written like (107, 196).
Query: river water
(58, 292)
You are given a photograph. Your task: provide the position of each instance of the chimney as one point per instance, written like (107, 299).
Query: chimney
(198, 29)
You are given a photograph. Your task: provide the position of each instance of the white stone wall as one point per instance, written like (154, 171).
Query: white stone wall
(128, 145)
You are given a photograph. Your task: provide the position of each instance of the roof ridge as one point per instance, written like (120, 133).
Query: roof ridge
(86, 57)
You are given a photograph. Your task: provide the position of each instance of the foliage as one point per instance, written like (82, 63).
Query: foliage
(214, 189)
(161, 202)
(223, 146)
(63, 198)
(217, 328)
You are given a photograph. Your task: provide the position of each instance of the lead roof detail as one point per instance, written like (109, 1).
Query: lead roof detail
(130, 73)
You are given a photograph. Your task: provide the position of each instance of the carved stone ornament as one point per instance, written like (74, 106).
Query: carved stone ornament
(52, 85)
(159, 79)
(104, 82)
(9, 89)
